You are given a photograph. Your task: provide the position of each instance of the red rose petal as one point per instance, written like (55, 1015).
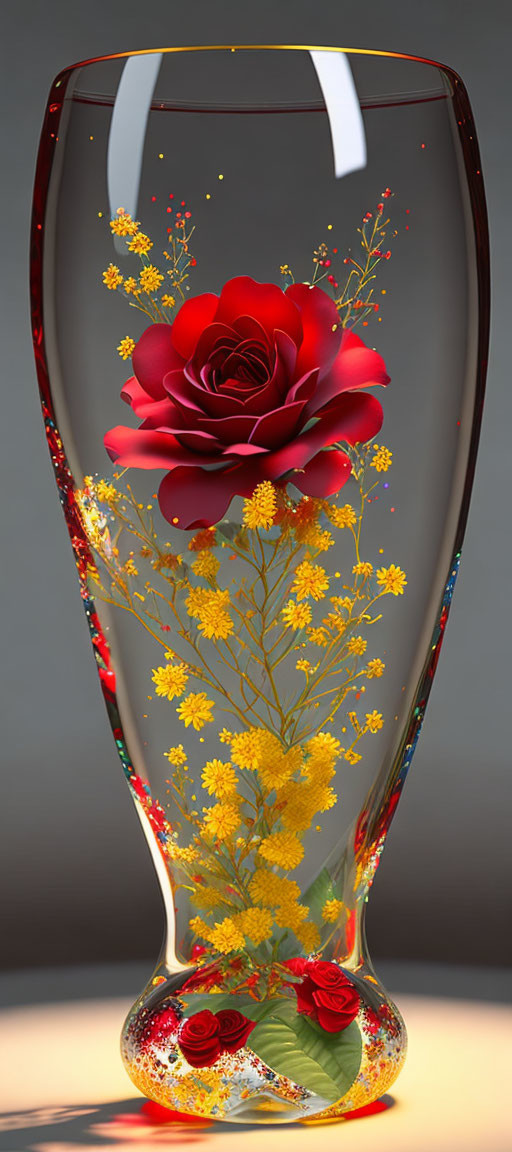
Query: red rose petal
(154, 355)
(324, 475)
(198, 498)
(137, 448)
(243, 296)
(193, 317)
(321, 326)
(354, 416)
(277, 427)
(355, 366)
(144, 406)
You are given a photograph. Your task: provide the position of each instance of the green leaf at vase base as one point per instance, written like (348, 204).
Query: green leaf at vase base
(325, 1063)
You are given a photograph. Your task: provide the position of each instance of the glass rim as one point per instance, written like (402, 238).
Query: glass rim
(377, 52)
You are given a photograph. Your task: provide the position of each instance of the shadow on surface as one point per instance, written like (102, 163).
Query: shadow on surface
(120, 1123)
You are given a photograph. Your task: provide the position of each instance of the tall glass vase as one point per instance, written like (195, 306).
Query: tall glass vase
(260, 312)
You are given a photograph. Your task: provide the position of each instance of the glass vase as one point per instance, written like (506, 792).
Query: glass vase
(260, 316)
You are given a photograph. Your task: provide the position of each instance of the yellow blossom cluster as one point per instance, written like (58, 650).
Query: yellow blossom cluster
(210, 607)
(206, 564)
(332, 910)
(176, 755)
(170, 681)
(256, 923)
(106, 492)
(282, 848)
(221, 820)
(123, 225)
(374, 721)
(112, 277)
(258, 749)
(126, 347)
(270, 889)
(310, 580)
(168, 301)
(195, 710)
(375, 668)
(381, 459)
(356, 645)
(219, 779)
(343, 517)
(260, 509)
(150, 279)
(140, 244)
(363, 568)
(391, 579)
(296, 615)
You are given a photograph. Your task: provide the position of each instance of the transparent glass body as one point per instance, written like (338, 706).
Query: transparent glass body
(277, 258)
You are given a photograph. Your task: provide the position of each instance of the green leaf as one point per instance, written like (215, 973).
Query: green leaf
(216, 1001)
(325, 1063)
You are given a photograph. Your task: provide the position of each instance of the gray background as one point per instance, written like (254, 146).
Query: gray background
(75, 874)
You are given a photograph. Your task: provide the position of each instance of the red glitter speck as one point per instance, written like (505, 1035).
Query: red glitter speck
(153, 199)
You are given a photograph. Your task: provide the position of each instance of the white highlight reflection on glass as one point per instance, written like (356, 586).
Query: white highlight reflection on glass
(342, 103)
(128, 133)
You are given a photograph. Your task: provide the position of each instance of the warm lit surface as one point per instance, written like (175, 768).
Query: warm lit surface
(63, 1085)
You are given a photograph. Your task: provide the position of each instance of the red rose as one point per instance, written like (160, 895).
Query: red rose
(204, 1036)
(199, 1039)
(254, 384)
(325, 994)
(234, 1029)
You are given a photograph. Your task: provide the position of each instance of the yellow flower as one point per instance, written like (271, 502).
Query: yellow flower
(296, 615)
(246, 748)
(195, 709)
(283, 849)
(374, 721)
(199, 928)
(310, 580)
(343, 517)
(363, 568)
(255, 923)
(112, 277)
(176, 755)
(130, 285)
(375, 668)
(308, 935)
(352, 757)
(391, 579)
(303, 666)
(301, 800)
(125, 348)
(291, 915)
(130, 568)
(221, 820)
(276, 765)
(261, 507)
(226, 937)
(225, 736)
(206, 564)
(219, 779)
(150, 279)
(323, 744)
(268, 888)
(318, 538)
(168, 301)
(332, 910)
(140, 244)
(171, 680)
(382, 458)
(356, 645)
(318, 636)
(210, 607)
(123, 225)
(205, 897)
(182, 855)
(106, 492)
